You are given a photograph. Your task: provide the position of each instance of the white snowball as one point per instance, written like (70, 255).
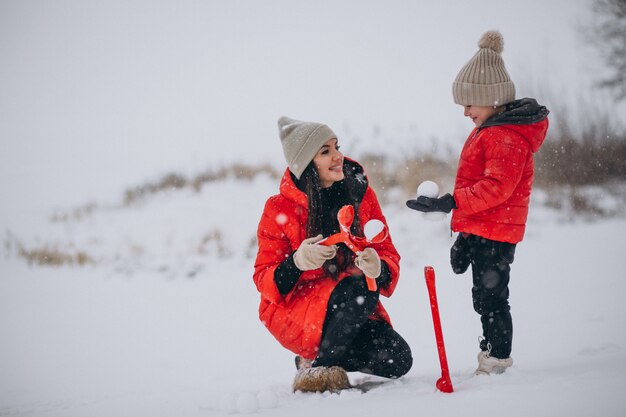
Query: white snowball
(267, 398)
(428, 189)
(372, 228)
(247, 403)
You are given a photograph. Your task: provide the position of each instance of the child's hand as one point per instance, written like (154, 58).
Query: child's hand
(445, 203)
(460, 257)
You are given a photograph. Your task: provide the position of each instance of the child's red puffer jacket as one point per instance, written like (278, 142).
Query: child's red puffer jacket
(495, 173)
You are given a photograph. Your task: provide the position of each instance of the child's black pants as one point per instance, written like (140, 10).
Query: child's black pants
(491, 269)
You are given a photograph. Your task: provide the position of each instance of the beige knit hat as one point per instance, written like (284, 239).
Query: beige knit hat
(301, 141)
(484, 81)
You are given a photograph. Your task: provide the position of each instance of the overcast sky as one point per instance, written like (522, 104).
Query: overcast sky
(99, 95)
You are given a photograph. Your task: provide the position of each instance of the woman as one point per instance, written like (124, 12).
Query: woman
(314, 298)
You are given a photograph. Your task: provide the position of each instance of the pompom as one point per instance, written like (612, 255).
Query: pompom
(492, 40)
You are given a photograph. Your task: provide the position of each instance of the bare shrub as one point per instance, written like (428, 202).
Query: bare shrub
(595, 153)
(608, 34)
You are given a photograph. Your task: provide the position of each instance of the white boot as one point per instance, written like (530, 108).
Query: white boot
(489, 365)
(320, 379)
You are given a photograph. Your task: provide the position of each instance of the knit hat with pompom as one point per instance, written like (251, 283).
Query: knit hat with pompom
(484, 81)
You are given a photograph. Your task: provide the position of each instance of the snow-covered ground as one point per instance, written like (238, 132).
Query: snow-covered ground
(165, 324)
(97, 95)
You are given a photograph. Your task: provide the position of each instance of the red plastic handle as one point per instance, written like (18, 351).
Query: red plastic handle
(444, 384)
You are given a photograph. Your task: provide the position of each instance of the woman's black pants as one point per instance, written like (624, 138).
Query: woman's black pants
(353, 341)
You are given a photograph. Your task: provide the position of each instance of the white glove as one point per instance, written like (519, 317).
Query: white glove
(368, 261)
(310, 255)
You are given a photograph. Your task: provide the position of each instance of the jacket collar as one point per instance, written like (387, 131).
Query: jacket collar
(525, 111)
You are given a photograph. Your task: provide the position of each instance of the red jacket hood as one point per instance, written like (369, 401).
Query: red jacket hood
(533, 133)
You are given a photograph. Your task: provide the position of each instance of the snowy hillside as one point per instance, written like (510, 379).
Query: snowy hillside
(164, 323)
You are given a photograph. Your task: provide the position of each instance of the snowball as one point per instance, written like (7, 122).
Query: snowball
(267, 398)
(428, 189)
(247, 403)
(372, 228)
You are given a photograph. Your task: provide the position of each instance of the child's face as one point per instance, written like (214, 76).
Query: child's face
(479, 114)
(329, 163)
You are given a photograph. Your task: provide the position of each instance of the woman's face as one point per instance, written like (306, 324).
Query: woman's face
(479, 114)
(329, 163)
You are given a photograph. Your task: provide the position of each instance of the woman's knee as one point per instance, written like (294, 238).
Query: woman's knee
(403, 362)
(400, 358)
(353, 290)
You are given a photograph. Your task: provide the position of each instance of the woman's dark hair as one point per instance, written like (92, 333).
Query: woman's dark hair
(323, 207)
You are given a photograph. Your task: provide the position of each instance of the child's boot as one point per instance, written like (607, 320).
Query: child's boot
(489, 365)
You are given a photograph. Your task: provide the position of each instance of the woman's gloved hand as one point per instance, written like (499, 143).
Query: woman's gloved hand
(310, 255)
(368, 261)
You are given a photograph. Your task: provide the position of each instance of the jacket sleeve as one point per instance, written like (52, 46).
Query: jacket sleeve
(505, 153)
(286, 275)
(274, 249)
(370, 210)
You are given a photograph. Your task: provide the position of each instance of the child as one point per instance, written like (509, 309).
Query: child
(491, 192)
(314, 298)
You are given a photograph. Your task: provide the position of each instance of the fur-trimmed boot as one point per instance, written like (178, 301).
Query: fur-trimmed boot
(489, 365)
(320, 379)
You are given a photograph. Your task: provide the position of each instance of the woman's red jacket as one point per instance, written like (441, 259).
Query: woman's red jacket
(296, 319)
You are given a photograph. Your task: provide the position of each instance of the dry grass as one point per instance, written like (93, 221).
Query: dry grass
(53, 257)
(47, 255)
(175, 181)
(76, 214)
